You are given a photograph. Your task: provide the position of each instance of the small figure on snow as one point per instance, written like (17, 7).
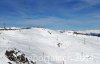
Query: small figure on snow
(59, 44)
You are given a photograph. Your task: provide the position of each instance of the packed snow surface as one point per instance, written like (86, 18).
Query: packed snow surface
(45, 46)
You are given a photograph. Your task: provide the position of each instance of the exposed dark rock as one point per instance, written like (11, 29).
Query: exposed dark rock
(9, 63)
(17, 57)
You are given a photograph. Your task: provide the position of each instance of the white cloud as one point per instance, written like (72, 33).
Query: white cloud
(86, 4)
(43, 21)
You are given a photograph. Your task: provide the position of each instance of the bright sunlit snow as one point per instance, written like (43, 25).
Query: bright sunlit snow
(45, 46)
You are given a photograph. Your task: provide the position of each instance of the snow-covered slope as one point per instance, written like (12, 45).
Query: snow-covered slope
(90, 31)
(44, 46)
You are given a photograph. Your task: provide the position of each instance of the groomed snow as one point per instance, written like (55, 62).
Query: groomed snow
(37, 43)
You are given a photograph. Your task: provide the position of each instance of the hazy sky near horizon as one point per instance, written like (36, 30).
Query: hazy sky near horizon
(53, 14)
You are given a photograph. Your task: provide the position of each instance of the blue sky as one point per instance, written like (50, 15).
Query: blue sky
(53, 14)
